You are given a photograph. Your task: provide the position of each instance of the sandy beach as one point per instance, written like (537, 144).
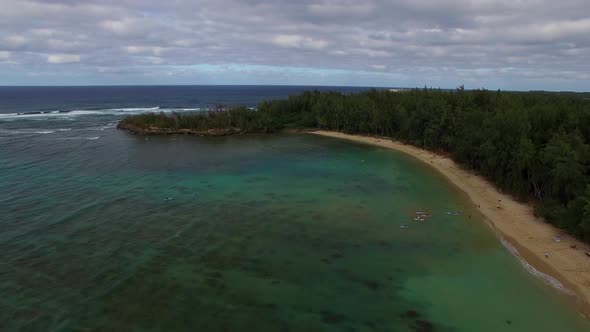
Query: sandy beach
(513, 221)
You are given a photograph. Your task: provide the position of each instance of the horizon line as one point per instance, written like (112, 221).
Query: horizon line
(283, 85)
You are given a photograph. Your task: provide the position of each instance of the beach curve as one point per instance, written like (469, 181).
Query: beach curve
(519, 230)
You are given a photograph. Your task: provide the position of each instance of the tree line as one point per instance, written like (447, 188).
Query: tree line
(533, 145)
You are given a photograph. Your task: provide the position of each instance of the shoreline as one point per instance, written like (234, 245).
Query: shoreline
(514, 222)
(165, 131)
(213, 132)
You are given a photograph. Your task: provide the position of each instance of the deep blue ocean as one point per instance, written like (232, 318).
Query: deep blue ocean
(91, 99)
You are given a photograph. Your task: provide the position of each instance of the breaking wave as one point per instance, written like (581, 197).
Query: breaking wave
(547, 279)
(30, 131)
(67, 114)
(135, 109)
(93, 138)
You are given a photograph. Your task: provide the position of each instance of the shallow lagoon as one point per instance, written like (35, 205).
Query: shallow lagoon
(263, 233)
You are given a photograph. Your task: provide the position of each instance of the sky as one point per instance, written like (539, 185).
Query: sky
(502, 44)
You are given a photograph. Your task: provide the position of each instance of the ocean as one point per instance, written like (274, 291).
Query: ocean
(101, 230)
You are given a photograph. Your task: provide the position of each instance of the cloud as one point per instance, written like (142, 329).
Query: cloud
(378, 67)
(341, 8)
(63, 58)
(154, 50)
(492, 43)
(297, 41)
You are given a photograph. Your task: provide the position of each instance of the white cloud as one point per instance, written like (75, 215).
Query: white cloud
(154, 50)
(125, 27)
(340, 8)
(298, 41)
(63, 58)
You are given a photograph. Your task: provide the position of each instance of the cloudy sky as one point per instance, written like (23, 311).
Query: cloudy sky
(507, 44)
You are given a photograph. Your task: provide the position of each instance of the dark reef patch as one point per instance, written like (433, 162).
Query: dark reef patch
(329, 317)
(410, 314)
(371, 284)
(423, 326)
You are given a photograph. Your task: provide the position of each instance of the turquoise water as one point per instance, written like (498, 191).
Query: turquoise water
(248, 233)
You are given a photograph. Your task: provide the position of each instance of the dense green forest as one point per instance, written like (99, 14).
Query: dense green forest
(534, 145)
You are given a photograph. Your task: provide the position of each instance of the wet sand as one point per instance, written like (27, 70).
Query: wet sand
(513, 221)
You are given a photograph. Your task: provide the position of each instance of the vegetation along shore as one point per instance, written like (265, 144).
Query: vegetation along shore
(532, 146)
